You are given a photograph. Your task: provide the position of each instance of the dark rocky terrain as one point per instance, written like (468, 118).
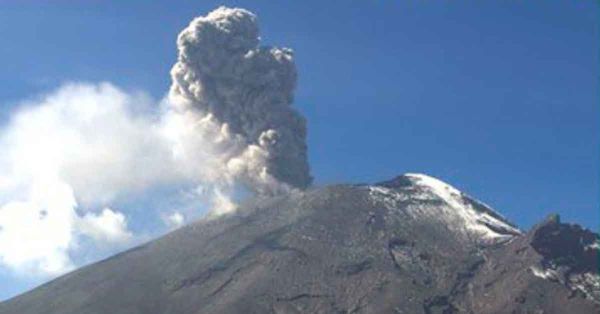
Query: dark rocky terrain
(409, 245)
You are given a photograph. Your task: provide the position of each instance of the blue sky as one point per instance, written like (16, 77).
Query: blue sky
(499, 99)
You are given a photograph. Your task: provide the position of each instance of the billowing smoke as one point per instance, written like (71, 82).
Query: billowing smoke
(72, 156)
(223, 73)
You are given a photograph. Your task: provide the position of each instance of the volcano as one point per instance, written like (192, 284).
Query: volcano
(413, 244)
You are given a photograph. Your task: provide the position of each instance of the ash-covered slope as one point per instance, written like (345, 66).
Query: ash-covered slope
(410, 245)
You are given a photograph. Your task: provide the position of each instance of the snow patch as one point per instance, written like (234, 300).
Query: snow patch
(458, 211)
(593, 246)
(588, 283)
(547, 274)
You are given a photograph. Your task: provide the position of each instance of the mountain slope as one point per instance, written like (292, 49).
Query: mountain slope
(409, 245)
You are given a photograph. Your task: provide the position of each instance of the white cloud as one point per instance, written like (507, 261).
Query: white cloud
(222, 203)
(36, 234)
(174, 220)
(88, 135)
(84, 147)
(82, 143)
(107, 227)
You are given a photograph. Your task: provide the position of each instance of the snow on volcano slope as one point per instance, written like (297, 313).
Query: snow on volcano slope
(424, 197)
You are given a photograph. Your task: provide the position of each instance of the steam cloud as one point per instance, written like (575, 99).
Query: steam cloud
(227, 122)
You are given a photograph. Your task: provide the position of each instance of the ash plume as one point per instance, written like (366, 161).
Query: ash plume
(222, 74)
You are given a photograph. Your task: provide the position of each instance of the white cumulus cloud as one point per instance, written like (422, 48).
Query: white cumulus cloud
(79, 145)
(37, 231)
(174, 220)
(106, 227)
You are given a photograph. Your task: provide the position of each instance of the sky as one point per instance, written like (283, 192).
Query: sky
(499, 99)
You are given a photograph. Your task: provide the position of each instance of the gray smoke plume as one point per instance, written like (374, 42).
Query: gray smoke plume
(245, 89)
